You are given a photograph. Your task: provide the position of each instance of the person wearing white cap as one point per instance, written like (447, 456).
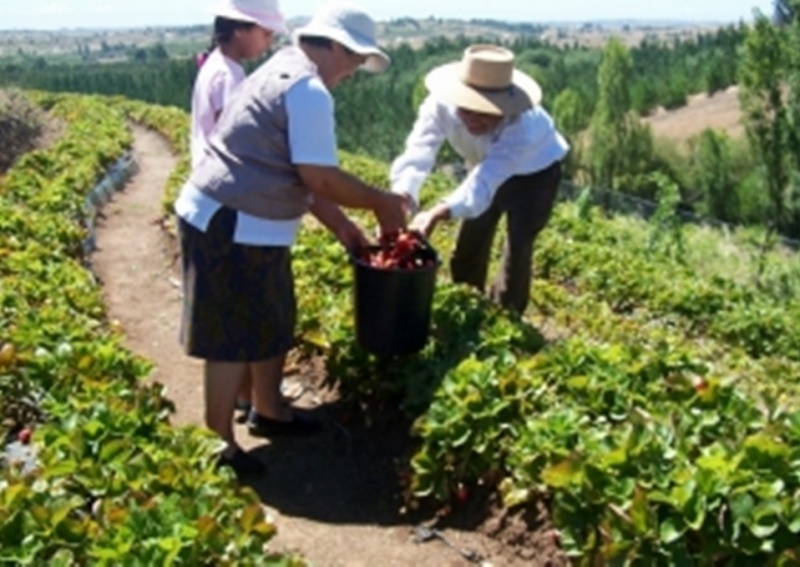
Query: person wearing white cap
(243, 30)
(491, 115)
(271, 159)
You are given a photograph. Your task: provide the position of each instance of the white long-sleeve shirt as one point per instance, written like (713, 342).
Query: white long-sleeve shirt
(520, 145)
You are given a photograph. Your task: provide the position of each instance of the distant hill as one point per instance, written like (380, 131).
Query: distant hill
(720, 111)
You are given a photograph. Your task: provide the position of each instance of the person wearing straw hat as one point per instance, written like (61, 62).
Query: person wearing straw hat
(491, 115)
(271, 159)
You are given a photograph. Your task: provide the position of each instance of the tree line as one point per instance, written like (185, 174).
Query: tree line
(597, 97)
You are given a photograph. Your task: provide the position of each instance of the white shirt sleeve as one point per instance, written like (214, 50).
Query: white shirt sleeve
(410, 169)
(312, 127)
(504, 158)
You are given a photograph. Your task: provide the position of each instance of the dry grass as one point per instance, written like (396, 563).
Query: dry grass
(720, 111)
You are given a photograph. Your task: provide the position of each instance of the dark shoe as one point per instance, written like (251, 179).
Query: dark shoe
(300, 425)
(243, 409)
(242, 463)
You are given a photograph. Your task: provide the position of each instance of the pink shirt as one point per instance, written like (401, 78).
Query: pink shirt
(215, 85)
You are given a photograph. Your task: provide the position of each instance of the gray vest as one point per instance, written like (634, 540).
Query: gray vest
(246, 165)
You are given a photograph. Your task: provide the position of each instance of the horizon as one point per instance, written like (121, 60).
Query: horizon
(75, 15)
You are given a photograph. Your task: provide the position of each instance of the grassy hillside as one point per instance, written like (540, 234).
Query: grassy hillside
(720, 111)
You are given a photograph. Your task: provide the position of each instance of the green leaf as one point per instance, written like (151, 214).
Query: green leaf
(513, 495)
(613, 458)
(766, 518)
(113, 449)
(562, 475)
(741, 504)
(62, 468)
(640, 511)
(12, 493)
(671, 530)
(251, 516)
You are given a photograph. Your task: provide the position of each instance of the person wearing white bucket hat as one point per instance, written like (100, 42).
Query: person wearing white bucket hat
(350, 27)
(271, 159)
(491, 114)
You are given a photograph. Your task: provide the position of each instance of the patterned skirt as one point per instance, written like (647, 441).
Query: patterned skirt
(238, 301)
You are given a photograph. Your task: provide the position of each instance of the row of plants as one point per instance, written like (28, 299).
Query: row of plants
(590, 253)
(110, 480)
(650, 445)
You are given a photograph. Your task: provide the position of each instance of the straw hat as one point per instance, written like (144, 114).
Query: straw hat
(350, 26)
(264, 13)
(485, 80)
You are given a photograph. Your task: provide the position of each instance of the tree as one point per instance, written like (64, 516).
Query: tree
(712, 176)
(763, 80)
(610, 122)
(570, 112)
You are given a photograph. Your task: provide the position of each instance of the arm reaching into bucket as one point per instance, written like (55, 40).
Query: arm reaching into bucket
(347, 190)
(334, 219)
(426, 221)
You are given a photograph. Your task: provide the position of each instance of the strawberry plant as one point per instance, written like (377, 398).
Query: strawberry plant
(111, 480)
(659, 422)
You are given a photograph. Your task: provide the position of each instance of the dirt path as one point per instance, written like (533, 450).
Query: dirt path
(333, 498)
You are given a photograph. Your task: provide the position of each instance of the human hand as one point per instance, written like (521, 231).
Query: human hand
(426, 221)
(411, 206)
(351, 236)
(391, 213)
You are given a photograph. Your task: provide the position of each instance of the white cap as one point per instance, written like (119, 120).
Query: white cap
(264, 13)
(350, 26)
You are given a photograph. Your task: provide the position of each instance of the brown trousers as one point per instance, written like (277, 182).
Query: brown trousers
(527, 201)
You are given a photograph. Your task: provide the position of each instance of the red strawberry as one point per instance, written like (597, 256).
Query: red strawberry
(24, 436)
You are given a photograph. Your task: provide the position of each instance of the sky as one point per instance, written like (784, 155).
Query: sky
(60, 14)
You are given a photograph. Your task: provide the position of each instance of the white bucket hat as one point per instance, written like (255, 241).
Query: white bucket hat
(485, 80)
(264, 13)
(350, 26)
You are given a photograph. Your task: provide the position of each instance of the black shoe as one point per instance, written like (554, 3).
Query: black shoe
(243, 405)
(300, 425)
(242, 463)
(243, 409)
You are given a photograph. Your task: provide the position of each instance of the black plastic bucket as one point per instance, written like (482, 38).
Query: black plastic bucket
(393, 307)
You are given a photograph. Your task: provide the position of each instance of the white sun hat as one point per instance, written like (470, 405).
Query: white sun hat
(264, 13)
(350, 26)
(485, 80)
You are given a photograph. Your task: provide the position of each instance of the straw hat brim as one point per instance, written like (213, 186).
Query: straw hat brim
(445, 84)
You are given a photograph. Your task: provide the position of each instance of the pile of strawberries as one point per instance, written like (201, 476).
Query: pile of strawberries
(404, 250)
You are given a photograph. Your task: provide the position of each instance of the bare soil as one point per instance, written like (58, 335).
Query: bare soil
(335, 498)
